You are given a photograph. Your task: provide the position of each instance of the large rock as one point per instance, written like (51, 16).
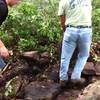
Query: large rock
(91, 92)
(92, 69)
(41, 91)
(52, 73)
(89, 69)
(34, 57)
(69, 94)
(30, 54)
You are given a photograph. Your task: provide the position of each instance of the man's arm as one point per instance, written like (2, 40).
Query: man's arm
(62, 13)
(3, 50)
(62, 21)
(12, 2)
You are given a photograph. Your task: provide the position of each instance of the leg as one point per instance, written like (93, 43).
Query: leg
(84, 48)
(68, 47)
(81, 61)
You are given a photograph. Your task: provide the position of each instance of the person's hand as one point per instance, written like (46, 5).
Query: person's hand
(4, 52)
(12, 2)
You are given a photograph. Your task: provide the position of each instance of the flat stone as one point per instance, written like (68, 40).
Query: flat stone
(29, 54)
(41, 91)
(34, 57)
(91, 92)
(89, 69)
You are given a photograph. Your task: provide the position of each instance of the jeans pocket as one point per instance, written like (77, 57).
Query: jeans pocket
(86, 35)
(66, 37)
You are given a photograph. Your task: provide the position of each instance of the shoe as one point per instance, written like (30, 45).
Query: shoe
(63, 83)
(78, 81)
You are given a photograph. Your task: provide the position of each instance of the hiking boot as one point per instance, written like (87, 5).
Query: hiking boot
(63, 83)
(78, 81)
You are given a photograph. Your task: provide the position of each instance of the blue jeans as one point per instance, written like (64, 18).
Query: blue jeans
(73, 37)
(2, 63)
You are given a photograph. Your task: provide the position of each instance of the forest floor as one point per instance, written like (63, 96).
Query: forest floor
(33, 76)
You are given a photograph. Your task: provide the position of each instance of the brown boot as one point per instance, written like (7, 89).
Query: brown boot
(63, 83)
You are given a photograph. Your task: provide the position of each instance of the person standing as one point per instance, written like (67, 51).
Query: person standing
(75, 18)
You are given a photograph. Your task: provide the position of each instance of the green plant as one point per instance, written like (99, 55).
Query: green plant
(96, 20)
(34, 24)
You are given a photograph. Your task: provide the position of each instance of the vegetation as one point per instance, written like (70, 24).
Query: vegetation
(34, 25)
(96, 20)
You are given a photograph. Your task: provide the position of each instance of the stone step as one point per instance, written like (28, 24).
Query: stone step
(41, 91)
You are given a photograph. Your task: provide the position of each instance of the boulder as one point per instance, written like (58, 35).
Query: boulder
(52, 73)
(29, 54)
(41, 91)
(92, 69)
(69, 94)
(89, 69)
(34, 57)
(93, 79)
(91, 92)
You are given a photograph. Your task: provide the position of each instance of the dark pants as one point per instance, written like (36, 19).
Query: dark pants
(3, 11)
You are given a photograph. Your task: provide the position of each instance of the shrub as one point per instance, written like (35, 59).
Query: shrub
(35, 25)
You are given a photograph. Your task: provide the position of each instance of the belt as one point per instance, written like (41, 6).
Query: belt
(80, 26)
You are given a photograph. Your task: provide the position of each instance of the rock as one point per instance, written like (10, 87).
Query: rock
(89, 69)
(69, 95)
(97, 68)
(41, 91)
(94, 79)
(24, 81)
(91, 92)
(54, 76)
(45, 54)
(30, 54)
(20, 69)
(52, 73)
(33, 57)
(44, 58)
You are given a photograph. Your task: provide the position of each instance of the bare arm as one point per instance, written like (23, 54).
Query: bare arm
(12, 2)
(3, 50)
(62, 21)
